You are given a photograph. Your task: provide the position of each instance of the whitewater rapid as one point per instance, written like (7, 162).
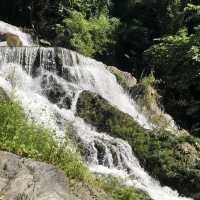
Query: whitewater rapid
(47, 83)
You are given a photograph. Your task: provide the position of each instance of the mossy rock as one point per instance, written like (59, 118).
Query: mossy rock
(160, 152)
(149, 103)
(3, 95)
(125, 79)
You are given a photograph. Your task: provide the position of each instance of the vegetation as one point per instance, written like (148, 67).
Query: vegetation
(175, 61)
(158, 39)
(28, 140)
(174, 159)
(89, 36)
(24, 138)
(119, 192)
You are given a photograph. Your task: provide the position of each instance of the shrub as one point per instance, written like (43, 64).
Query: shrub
(89, 36)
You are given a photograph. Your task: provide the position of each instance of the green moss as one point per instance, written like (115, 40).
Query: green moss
(120, 192)
(164, 155)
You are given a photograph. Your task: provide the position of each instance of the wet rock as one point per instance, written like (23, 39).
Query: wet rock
(67, 102)
(52, 89)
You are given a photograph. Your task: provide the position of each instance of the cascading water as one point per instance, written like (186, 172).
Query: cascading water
(47, 83)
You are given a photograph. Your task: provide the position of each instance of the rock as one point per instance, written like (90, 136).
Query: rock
(3, 95)
(149, 103)
(45, 43)
(24, 179)
(82, 191)
(55, 92)
(11, 39)
(124, 78)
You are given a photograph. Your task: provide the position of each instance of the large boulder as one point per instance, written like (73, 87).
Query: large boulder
(26, 179)
(163, 154)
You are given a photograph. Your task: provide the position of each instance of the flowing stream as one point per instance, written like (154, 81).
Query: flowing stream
(47, 83)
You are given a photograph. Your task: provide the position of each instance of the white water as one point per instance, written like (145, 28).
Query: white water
(33, 73)
(7, 28)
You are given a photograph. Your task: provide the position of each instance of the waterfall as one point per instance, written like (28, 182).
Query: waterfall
(7, 28)
(47, 83)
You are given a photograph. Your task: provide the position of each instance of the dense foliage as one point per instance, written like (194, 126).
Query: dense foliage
(89, 36)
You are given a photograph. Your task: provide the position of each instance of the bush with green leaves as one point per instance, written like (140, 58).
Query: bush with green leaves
(90, 36)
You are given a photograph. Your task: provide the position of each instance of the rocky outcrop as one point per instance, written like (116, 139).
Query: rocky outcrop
(24, 179)
(148, 100)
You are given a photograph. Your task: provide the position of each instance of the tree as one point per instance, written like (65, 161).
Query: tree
(91, 36)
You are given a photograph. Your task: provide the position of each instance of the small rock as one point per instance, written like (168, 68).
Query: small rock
(124, 78)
